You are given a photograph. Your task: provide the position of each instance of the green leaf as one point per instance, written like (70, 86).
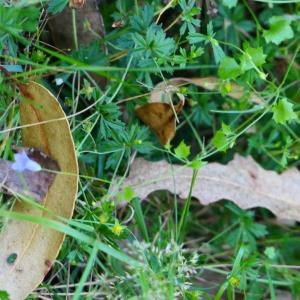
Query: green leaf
(196, 37)
(189, 16)
(13, 22)
(279, 30)
(283, 111)
(127, 194)
(182, 151)
(220, 141)
(221, 138)
(229, 68)
(252, 57)
(217, 51)
(197, 164)
(56, 6)
(229, 3)
(226, 129)
(270, 252)
(154, 44)
(143, 20)
(4, 295)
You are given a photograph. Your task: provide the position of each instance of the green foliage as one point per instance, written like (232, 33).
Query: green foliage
(279, 31)
(251, 48)
(150, 41)
(230, 3)
(123, 142)
(182, 151)
(283, 111)
(248, 230)
(14, 22)
(4, 295)
(229, 68)
(189, 16)
(222, 139)
(251, 58)
(126, 195)
(56, 6)
(238, 29)
(195, 38)
(152, 46)
(187, 58)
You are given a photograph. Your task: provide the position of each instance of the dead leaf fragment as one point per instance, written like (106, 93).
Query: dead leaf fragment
(36, 246)
(27, 183)
(208, 83)
(160, 117)
(242, 181)
(159, 114)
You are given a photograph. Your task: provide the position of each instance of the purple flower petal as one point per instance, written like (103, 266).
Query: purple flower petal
(23, 162)
(33, 166)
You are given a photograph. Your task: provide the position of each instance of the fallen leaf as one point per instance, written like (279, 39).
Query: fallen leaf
(159, 114)
(207, 83)
(35, 247)
(161, 118)
(242, 181)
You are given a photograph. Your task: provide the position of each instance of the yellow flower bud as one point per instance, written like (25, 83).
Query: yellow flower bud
(117, 229)
(103, 218)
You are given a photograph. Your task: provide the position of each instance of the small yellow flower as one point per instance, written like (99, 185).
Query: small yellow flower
(234, 281)
(228, 87)
(103, 218)
(117, 229)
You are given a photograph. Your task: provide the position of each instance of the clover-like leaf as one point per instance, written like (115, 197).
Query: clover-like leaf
(229, 68)
(279, 31)
(283, 111)
(182, 151)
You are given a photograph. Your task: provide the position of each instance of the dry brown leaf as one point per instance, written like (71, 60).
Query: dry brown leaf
(207, 83)
(242, 181)
(37, 246)
(160, 117)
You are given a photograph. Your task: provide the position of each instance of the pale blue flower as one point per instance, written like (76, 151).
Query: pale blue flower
(59, 81)
(23, 162)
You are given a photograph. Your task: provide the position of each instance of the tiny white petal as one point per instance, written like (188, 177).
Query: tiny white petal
(59, 81)
(33, 166)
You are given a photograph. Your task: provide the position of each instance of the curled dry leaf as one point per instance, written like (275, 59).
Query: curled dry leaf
(161, 118)
(34, 246)
(242, 181)
(159, 114)
(208, 83)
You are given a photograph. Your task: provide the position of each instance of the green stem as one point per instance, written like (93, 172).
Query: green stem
(74, 28)
(183, 219)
